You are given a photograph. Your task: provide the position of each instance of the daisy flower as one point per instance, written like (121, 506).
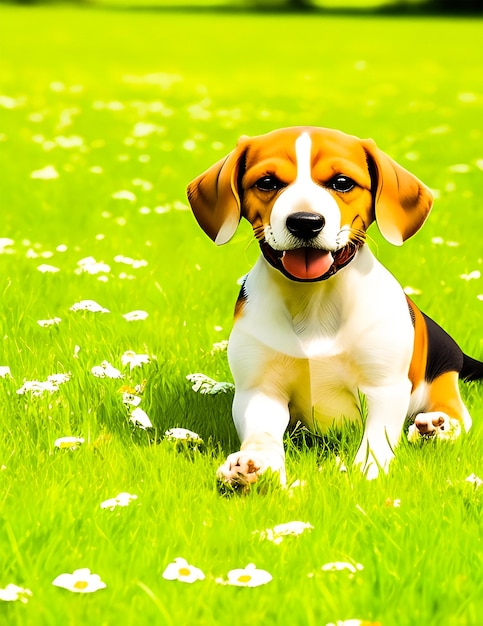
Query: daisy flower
(250, 576)
(124, 194)
(277, 533)
(182, 434)
(140, 418)
(474, 275)
(89, 305)
(389, 502)
(80, 581)
(5, 242)
(122, 499)
(37, 387)
(5, 371)
(48, 269)
(90, 266)
(52, 322)
(106, 370)
(341, 566)
(47, 173)
(184, 440)
(134, 360)
(59, 379)
(219, 346)
(182, 571)
(475, 480)
(12, 593)
(134, 263)
(206, 385)
(135, 316)
(70, 443)
(131, 399)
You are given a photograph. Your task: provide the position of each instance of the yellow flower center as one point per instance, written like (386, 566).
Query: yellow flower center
(81, 584)
(244, 578)
(184, 571)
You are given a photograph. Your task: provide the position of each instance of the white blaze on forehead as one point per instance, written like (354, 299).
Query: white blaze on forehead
(304, 194)
(303, 151)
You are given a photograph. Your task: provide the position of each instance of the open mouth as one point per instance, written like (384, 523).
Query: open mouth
(309, 264)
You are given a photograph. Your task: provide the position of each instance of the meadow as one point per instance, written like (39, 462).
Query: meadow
(105, 116)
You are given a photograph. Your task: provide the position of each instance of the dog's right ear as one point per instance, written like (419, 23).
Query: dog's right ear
(214, 196)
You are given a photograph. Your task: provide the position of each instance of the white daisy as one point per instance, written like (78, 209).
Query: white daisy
(122, 499)
(140, 418)
(5, 371)
(12, 593)
(134, 360)
(341, 566)
(250, 576)
(48, 269)
(80, 581)
(135, 316)
(51, 322)
(206, 385)
(182, 571)
(106, 370)
(47, 173)
(277, 533)
(89, 305)
(182, 434)
(69, 443)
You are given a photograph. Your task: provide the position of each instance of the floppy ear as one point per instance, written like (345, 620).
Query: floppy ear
(402, 202)
(214, 197)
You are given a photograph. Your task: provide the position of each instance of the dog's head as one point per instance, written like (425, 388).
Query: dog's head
(310, 195)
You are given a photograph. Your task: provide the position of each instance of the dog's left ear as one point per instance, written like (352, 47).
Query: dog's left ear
(402, 202)
(215, 199)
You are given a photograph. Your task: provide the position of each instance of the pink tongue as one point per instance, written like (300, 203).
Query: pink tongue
(307, 263)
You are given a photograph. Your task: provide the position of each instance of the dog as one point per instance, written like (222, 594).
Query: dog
(319, 321)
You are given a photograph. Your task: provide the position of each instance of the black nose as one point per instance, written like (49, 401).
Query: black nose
(305, 225)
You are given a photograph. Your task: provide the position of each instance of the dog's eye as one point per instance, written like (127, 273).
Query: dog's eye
(269, 183)
(341, 183)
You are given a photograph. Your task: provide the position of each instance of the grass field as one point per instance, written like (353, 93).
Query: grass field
(104, 118)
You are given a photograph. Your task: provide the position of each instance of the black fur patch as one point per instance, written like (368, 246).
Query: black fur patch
(444, 354)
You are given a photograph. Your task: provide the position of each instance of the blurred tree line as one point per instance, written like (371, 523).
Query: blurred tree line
(453, 6)
(396, 6)
(447, 6)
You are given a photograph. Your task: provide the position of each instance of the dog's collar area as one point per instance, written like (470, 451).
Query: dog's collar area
(342, 257)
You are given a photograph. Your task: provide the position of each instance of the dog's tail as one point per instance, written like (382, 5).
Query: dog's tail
(472, 369)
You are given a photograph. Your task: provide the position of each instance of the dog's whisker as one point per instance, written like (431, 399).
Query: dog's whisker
(259, 232)
(356, 235)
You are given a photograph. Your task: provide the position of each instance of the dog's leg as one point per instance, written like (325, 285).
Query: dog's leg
(387, 407)
(261, 422)
(446, 412)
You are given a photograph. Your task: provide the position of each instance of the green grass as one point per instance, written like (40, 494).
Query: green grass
(414, 86)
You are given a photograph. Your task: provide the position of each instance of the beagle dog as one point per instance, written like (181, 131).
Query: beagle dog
(319, 321)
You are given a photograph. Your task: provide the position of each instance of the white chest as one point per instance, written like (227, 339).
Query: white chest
(318, 344)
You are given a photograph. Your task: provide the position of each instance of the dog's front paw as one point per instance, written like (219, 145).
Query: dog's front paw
(434, 424)
(241, 469)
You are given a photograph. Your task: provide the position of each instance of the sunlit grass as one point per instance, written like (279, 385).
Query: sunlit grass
(115, 113)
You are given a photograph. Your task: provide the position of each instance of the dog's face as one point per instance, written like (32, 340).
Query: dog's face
(310, 195)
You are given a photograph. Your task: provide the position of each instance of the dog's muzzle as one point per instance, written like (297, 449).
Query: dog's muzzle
(308, 263)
